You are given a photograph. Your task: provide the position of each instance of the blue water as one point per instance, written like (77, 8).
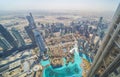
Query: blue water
(44, 63)
(85, 57)
(71, 70)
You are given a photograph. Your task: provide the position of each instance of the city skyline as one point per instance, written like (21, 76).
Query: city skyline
(59, 38)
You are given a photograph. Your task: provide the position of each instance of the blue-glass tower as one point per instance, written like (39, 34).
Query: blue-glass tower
(18, 36)
(39, 40)
(4, 44)
(31, 21)
(6, 34)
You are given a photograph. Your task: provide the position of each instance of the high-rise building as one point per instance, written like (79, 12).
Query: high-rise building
(31, 21)
(19, 38)
(40, 42)
(107, 60)
(100, 31)
(100, 20)
(4, 44)
(100, 23)
(29, 29)
(5, 33)
(30, 34)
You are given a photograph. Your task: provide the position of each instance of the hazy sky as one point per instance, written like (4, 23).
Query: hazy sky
(85, 5)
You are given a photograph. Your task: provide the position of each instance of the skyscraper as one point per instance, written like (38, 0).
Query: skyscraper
(19, 38)
(4, 44)
(29, 29)
(31, 21)
(107, 60)
(30, 34)
(5, 33)
(100, 31)
(99, 23)
(40, 42)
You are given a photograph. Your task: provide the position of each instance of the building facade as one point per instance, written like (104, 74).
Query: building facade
(40, 42)
(107, 60)
(4, 44)
(30, 34)
(6, 34)
(18, 36)
(31, 21)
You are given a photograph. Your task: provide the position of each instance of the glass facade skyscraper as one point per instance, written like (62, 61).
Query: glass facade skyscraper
(6, 34)
(18, 36)
(31, 21)
(40, 42)
(30, 34)
(4, 44)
